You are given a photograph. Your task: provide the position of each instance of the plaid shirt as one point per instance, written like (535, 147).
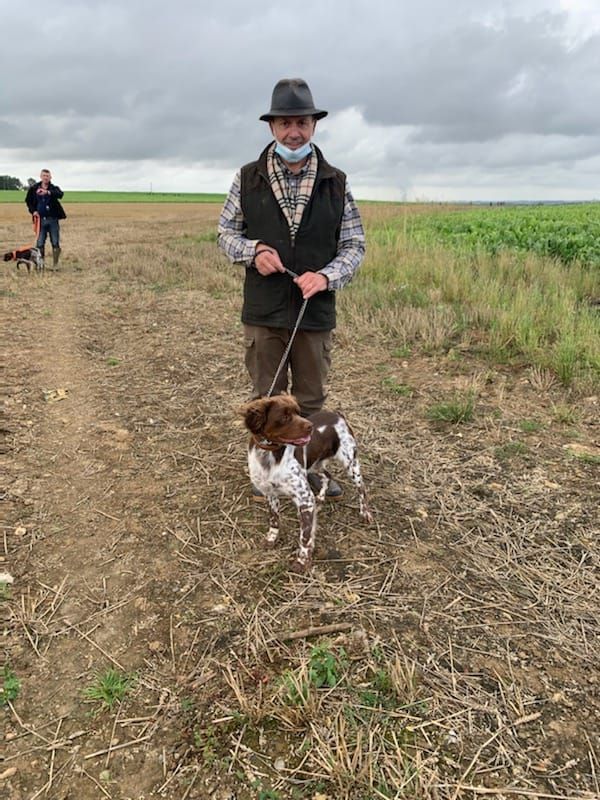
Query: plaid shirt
(241, 250)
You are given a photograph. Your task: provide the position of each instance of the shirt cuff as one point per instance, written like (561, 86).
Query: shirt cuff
(330, 273)
(249, 252)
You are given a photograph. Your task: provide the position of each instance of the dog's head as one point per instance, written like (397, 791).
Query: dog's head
(8, 256)
(277, 419)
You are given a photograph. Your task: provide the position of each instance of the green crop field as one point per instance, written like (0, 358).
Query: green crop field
(122, 197)
(517, 284)
(565, 232)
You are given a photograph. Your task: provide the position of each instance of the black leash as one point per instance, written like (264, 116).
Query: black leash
(291, 339)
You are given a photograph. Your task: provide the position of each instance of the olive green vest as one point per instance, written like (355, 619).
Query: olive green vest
(274, 300)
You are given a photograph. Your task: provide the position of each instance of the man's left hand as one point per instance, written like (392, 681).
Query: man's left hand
(311, 283)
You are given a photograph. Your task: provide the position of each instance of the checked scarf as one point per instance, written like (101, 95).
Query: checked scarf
(291, 204)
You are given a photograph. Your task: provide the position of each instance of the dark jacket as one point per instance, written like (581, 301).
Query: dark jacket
(56, 209)
(275, 300)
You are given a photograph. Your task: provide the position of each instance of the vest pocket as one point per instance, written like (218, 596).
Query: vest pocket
(266, 298)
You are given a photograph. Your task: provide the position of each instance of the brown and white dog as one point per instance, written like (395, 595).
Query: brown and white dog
(28, 257)
(284, 448)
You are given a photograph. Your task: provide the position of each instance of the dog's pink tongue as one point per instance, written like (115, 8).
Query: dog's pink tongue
(301, 442)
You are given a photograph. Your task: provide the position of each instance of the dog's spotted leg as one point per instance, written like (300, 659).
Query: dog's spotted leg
(348, 456)
(307, 516)
(363, 503)
(273, 533)
(324, 478)
(364, 510)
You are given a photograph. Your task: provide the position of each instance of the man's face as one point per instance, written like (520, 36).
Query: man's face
(45, 177)
(293, 132)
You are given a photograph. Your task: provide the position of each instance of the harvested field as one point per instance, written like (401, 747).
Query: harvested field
(153, 648)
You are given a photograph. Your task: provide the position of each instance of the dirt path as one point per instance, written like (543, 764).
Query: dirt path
(88, 515)
(133, 545)
(82, 582)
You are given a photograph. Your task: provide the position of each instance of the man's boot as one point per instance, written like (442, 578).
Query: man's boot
(55, 256)
(334, 490)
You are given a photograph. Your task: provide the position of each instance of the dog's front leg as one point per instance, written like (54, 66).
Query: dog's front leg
(364, 510)
(273, 533)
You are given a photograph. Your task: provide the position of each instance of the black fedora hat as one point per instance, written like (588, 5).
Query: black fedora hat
(292, 98)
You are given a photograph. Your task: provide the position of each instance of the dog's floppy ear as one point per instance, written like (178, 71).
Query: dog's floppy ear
(255, 415)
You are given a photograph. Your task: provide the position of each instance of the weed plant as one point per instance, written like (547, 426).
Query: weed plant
(10, 688)
(455, 411)
(109, 688)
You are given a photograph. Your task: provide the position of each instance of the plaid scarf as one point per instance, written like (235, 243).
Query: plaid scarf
(291, 204)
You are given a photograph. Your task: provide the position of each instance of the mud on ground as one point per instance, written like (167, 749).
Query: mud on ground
(449, 650)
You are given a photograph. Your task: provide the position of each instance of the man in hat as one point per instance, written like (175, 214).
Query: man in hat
(291, 210)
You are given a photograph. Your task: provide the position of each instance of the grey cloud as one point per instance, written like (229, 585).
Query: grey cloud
(480, 83)
(187, 82)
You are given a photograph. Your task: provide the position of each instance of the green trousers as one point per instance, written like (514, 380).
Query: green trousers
(307, 368)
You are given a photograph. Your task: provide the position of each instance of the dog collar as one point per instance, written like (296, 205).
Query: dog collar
(265, 444)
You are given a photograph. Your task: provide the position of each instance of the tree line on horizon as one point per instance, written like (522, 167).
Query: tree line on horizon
(10, 183)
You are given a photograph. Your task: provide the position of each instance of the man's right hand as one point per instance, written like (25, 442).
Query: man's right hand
(267, 260)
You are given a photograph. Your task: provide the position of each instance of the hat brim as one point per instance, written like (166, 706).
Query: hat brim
(309, 112)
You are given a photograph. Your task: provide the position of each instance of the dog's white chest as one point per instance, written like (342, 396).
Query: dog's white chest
(272, 477)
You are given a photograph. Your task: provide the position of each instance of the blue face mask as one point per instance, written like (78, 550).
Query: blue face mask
(293, 156)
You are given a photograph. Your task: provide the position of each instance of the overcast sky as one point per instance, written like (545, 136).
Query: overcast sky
(428, 99)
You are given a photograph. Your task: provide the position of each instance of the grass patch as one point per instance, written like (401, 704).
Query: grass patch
(511, 449)
(10, 687)
(530, 425)
(586, 458)
(109, 688)
(396, 387)
(456, 411)
(565, 414)
(207, 236)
